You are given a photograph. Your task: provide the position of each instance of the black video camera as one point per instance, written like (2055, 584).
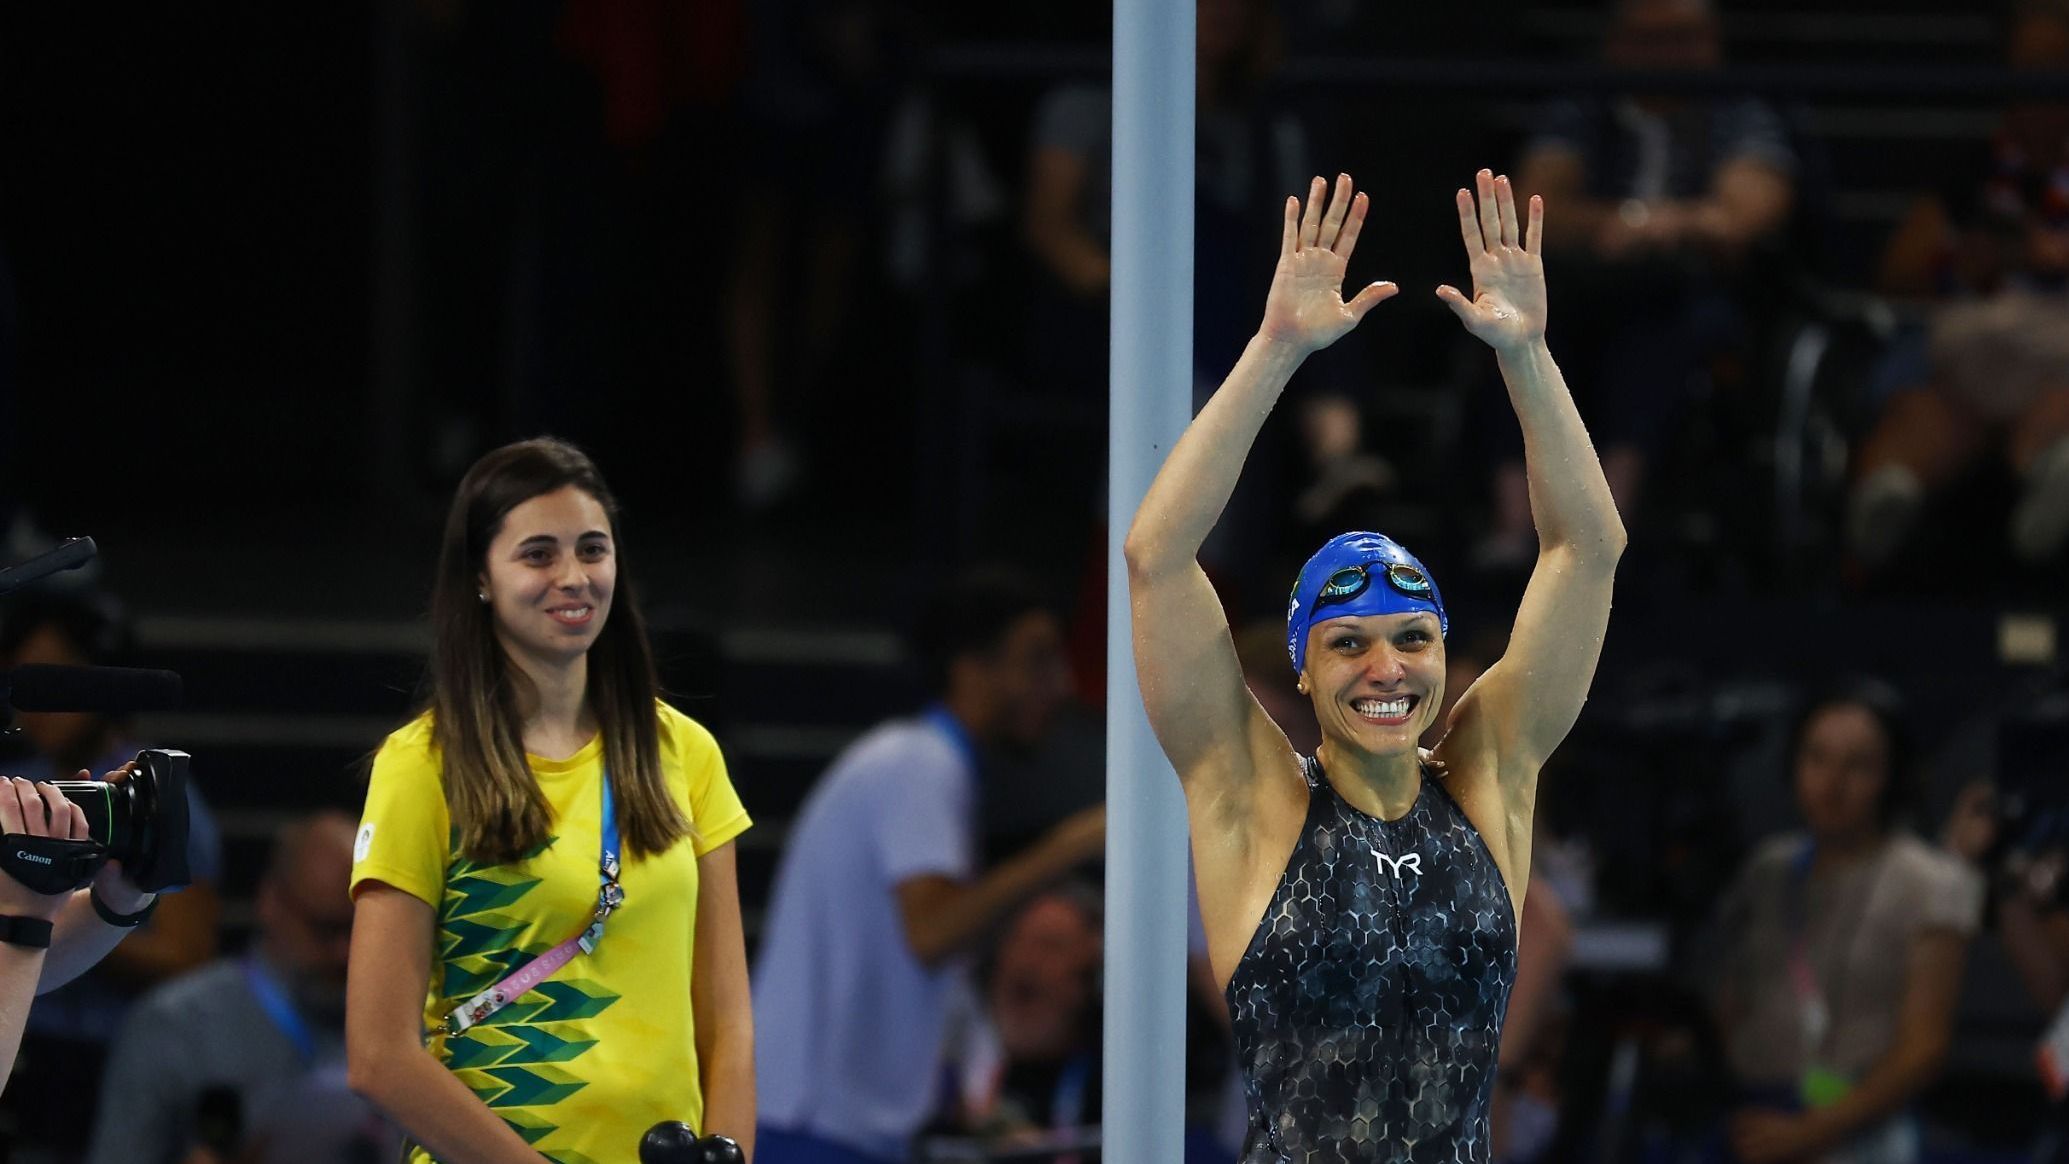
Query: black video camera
(140, 821)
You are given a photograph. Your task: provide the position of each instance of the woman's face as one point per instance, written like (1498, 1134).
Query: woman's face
(549, 575)
(1377, 680)
(1842, 769)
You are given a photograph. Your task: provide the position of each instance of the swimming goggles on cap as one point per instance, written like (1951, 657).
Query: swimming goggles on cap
(1351, 581)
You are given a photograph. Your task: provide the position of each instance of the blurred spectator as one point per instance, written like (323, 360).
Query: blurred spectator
(1030, 1065)
(1253, 151)
(1041, 996)
(2032, 919)
(1655, 201)
(70, 1029)
(1990, 253)
(878, 895)
(242, 1061)
(1843, 950)
(824, 79)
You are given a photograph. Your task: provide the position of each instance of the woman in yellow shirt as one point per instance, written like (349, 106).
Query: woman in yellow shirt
(544, 874)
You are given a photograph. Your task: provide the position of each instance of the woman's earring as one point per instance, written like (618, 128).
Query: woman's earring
(484, 596)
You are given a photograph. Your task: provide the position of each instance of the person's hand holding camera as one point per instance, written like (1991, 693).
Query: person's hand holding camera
(35, 810)
(112, 885)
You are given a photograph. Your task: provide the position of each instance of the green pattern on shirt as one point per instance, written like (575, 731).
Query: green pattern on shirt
(511, 1061)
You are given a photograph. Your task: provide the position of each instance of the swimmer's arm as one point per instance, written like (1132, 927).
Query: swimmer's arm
(1210, 726)
(1192, 684)
(1527, 702)
(1531, 697)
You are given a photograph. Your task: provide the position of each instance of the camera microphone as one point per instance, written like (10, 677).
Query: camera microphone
(139, 820)
(43, 687)
(70, 554)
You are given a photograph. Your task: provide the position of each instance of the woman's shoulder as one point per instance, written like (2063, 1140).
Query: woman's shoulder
(681, 733)
(1928, 866)
(408, 767)
(1933, 888)
(414, 741)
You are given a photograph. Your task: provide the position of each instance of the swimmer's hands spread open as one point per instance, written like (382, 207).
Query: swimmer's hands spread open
(1507, 310)
(1306, 309)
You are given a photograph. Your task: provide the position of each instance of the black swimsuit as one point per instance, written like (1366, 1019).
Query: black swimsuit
(1368, 1007)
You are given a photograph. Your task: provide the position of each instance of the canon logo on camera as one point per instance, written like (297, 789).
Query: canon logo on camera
(26, 856)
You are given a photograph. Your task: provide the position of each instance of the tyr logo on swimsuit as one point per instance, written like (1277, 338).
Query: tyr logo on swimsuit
(1393, 865)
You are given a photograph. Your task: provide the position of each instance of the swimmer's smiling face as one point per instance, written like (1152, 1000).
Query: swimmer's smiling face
(1377, 680)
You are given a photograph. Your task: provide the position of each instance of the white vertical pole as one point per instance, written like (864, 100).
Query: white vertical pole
(1150, 401)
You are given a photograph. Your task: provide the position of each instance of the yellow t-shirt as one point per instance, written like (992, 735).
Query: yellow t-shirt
(587, 1061)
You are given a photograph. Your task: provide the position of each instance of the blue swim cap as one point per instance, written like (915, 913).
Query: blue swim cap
(1358, 573)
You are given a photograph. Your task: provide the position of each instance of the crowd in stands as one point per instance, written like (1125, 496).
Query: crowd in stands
(885, 230)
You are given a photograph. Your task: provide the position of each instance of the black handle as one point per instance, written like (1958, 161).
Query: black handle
(674, 1142)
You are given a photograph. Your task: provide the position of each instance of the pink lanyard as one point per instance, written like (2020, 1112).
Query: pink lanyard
(1816, 1010)
(609, 896)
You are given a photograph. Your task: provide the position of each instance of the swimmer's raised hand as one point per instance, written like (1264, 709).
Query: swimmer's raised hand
(1306, 308)
(1507, 310)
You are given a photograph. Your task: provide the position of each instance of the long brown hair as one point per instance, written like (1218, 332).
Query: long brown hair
(497, 807)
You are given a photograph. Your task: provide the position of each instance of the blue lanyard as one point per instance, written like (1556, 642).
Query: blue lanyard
(607, 859)
(1069, 1108)
(280, 1008)
(609, 893)
(947, 724)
